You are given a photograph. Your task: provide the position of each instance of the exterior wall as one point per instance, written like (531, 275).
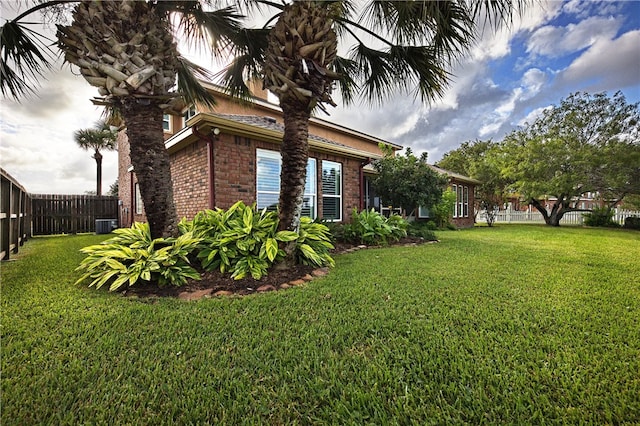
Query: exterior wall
(235, 175)
(190, 174)
(469, 220)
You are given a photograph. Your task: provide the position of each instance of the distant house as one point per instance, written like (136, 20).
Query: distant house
(464, 187)
(233, 153)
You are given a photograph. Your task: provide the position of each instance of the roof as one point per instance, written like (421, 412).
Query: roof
(455, 175)
(252, 126)
(271, 124)
(264, 103)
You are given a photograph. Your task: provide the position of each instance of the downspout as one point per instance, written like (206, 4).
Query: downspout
(209, 139)
(132, 196)
(361, 171)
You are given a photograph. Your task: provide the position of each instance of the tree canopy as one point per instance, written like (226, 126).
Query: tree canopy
(407, 181)
(589, 143)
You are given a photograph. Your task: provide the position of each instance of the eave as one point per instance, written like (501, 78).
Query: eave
(204, 123)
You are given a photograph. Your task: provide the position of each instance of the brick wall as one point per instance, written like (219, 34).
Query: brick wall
(235, 175)
(190, 174)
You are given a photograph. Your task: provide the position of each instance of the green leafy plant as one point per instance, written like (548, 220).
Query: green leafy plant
(443, 211)
(240, 240)
(423, 230)
(370, 227)
(132, 255)
(313, 244)
(600, 216)
(632, 222)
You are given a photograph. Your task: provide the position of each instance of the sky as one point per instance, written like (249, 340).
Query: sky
(554, 49)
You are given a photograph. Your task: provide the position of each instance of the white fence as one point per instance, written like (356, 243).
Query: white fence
(534, 216)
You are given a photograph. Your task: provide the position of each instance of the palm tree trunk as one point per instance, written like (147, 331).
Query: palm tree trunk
(151, 165)
(98, 157)
(295, 153)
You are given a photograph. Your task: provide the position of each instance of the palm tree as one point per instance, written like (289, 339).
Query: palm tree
(100, 138)
(127, 49)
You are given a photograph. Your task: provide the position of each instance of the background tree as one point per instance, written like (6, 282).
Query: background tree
(128, 50)
(113, 189)
(481, 160)
(588, 143)
(100, 138)
(407, 181)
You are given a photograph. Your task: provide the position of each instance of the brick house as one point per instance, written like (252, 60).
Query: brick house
(233, 153)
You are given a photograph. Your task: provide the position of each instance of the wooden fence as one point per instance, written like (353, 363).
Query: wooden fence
(15, 208)
(70, 214)
(534, 216)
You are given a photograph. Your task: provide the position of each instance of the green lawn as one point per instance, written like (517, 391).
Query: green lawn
(515, 325)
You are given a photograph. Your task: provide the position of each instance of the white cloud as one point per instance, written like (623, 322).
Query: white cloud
(556, 41)
(608, 64)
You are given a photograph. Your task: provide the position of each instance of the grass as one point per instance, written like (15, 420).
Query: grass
(512, 324)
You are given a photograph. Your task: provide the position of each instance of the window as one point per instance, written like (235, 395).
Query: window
(268, 182)
(423, 212)
(460, 203)
(454, 188)
(189, 112)
(465, 199)
(166, 122)
(331, 191)
(138, 199)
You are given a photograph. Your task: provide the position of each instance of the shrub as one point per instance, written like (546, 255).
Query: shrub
(244, 241)
(132, 256)
(600, 216)
(632, 222)
(240, 240)
(370, 227)
(313, 244)
(422, 230)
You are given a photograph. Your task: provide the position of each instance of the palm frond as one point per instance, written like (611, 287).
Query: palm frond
(248, 48)
(349, 73)
(189, 86)
(448, 26)
(203, 28)
(24, 57)
(233, 77)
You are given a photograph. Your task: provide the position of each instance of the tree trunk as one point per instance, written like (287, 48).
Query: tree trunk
(98, 157)
(151, 165)
(557, 211)
(295, 153)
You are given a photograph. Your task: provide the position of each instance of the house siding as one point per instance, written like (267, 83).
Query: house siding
(235, 175)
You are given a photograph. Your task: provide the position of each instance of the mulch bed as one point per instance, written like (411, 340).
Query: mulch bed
(214, 283)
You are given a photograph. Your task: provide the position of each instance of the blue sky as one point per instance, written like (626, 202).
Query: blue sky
(556, 48)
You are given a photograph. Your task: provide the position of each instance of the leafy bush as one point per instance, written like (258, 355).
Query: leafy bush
(244, 241)
(632, 222)
(443, 211)
(600, 216)
(313, 244)
(241, 240)
(132, 256)
(370, 227)
(422, 230)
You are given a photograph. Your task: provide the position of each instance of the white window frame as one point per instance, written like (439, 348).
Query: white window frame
(422, 214)
(311, 177)
(138, 198)
(166, 118)
(191, 111)
(465, 201)
(339, 196)
(454, 188)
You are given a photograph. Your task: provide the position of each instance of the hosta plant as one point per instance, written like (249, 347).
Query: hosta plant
(371, 227)
(313, 244)
(240, 240)
(132, 256)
